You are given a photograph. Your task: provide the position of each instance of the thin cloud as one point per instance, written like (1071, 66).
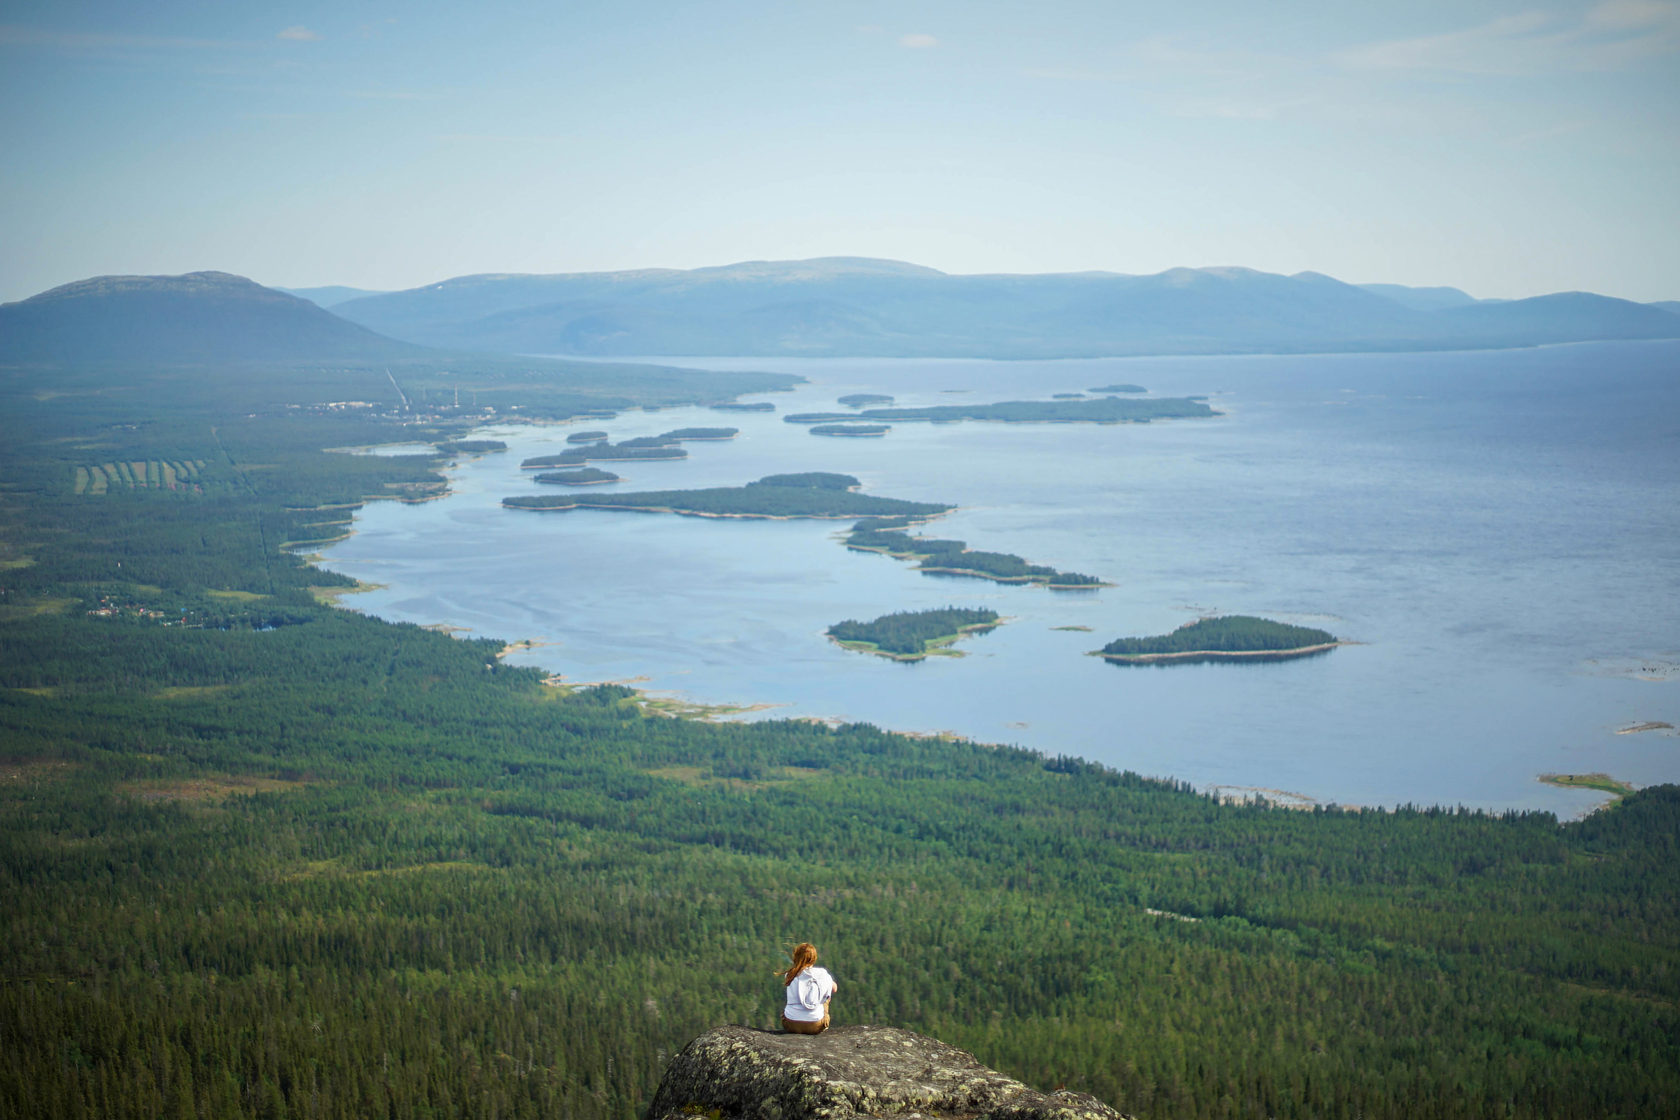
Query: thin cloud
(299, 34)
(917, 41)
(1606, 37)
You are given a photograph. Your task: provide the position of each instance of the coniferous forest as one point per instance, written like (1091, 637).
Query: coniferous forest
(263, 856)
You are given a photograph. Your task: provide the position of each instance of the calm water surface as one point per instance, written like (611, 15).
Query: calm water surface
(1498, 531)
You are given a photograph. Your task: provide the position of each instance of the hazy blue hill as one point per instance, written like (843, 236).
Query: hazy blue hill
(1421, 299)
(1561, 317)
(201, 317)
(331, 295)
(1670, 305)
(861, 307)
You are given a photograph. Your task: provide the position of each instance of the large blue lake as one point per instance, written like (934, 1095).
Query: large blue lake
(1498, 531)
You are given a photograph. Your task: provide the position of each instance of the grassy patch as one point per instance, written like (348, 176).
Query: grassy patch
(32, 607)
(189, 691)
(1604, 783)
(236, 596)
(700, 778)
(329, 596)
(29, 771)
(214, 787)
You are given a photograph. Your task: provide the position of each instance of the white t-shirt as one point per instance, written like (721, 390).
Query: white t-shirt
(808, 995)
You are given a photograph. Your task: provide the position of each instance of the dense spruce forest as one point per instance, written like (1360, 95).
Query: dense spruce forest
(266, 857)
(912, 635)
(1231, 633)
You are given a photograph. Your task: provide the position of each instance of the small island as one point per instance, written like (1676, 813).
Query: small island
(815, 494)
(748, 406)
(648, 448)
(679, 434)
(1101, 410)
(469, 446)
(858, 431)
(1225, 638)
(1067, 396)
(1122, 388)
(955, 558)
(586, 437)
(864, 400)
(583, 476)
(913, 635)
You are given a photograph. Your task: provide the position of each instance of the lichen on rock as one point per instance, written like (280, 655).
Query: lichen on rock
(848, 1073)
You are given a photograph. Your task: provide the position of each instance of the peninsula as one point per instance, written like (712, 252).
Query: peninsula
(913, 635)
(583, 476)
(469, 446)
(1224, 638)
(646, 448)
(860, 431)
(955, 558)
(779, 497)
(1099, 410)
(677, 435)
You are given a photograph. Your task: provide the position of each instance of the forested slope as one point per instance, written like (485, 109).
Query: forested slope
(264, 857)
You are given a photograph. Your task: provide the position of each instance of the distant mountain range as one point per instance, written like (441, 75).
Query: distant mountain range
(840, 306)
(864, 307)
(330, 296)
(199, 318)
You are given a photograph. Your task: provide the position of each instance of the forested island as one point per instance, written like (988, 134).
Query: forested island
(1067, 396)
(1226, 637)
(815, 495)
(469, 446)
(955, 558)
(1101, 410)
(646, 448)
(913, 635)
(862, 431)
(583, 476)
(864, 400)
(586, 437)
(1121, 388)
(746, 406)
(679, 434)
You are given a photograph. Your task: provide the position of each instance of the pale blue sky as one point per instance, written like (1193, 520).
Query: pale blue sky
(1506, 148)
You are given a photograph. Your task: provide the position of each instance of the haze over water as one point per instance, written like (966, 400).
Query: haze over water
(1497, 530)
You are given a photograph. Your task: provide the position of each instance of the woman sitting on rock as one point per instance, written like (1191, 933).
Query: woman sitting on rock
(809, 989)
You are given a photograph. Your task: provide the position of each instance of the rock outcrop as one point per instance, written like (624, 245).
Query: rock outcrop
(848, 1073)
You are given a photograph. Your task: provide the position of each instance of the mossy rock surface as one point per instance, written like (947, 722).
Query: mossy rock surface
(848, 1073)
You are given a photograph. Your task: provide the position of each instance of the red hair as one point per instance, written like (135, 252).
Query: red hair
(804, 956)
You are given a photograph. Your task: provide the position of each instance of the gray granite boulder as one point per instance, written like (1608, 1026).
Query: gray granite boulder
(848, 1073)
